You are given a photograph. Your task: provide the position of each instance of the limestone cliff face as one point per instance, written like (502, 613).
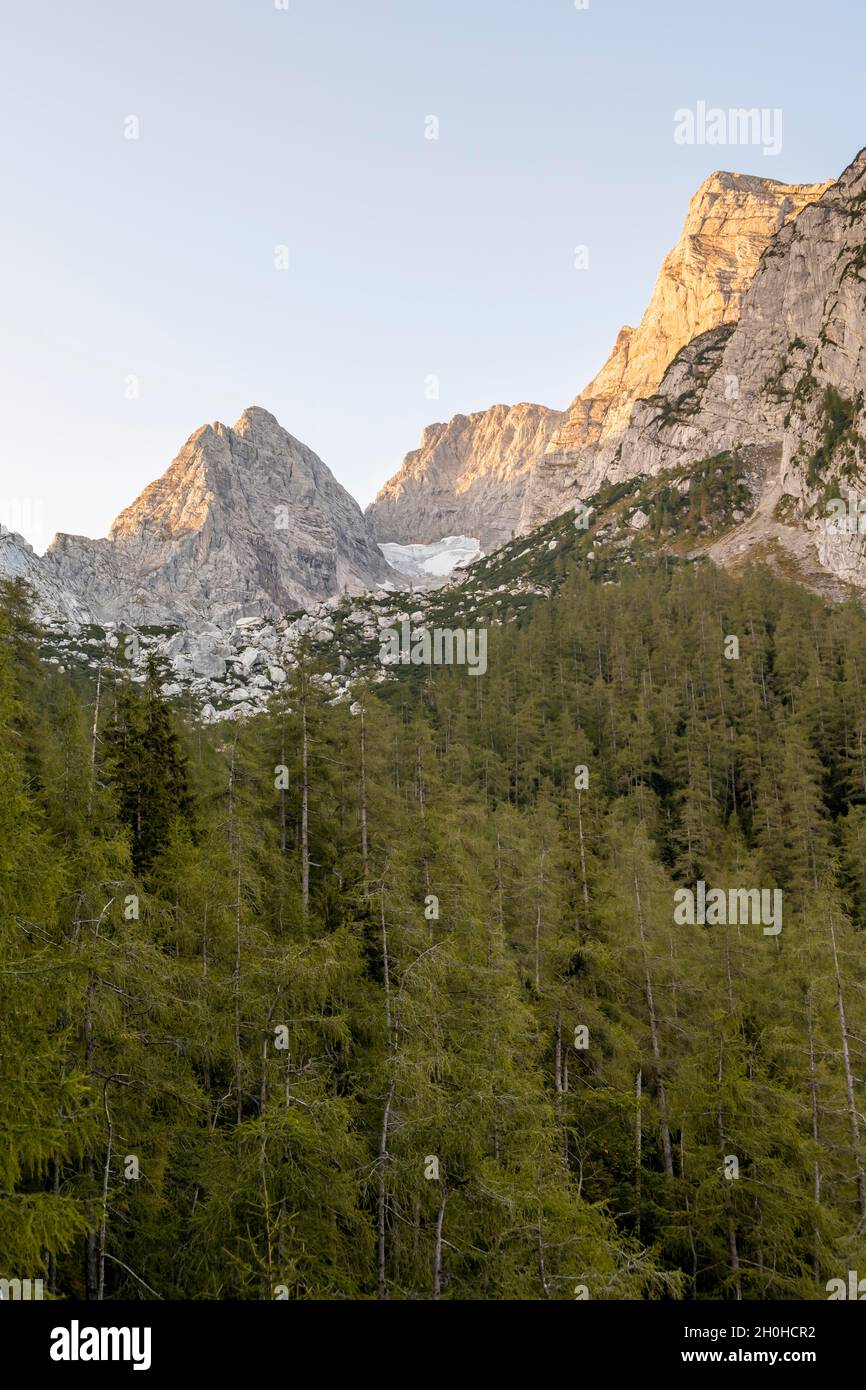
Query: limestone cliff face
(246, 521)
(783, 388)
(476, 475)
(53, 601)
(730, 221)
(466, 478)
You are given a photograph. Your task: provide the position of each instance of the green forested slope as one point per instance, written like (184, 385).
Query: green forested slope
(311, 1033)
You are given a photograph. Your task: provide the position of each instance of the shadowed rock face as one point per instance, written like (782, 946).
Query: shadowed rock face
(52, 600)
(466, 478)
(246, 521)
(472, 475)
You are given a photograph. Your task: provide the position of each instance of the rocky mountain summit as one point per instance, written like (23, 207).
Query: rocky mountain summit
(475, 474)
(466, 478)
(701, 284)
(781, 390)
(247, 556)
(52, 600)
(246, 522)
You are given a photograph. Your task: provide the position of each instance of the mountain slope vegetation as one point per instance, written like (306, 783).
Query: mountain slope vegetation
(387, 999)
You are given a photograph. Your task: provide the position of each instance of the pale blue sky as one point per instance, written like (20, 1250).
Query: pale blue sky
(409, 258)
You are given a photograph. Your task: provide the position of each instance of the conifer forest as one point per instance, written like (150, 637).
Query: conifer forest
(432, 685)
(388, 999)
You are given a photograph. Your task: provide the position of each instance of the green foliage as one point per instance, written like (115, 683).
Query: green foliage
(715, 490)
(839, 439)
(297, 1007)
(145, 763)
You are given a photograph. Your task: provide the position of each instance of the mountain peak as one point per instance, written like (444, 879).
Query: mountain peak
(774, 390)
(463, 472)
(256, 420)
(469, 477)
(731, 220)
(52, 600)
(732, 181)
(245, 521)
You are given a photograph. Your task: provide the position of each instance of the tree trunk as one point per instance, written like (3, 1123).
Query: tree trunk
(106, 1175)
(582, 858)
(638, 1146)
(654, 1039)
(365, 868)
(91, 1254)
(816, 1167)
(383, 1159)
(305, 811)
(542, 1269)
(419, 778)
(282, 789)
(733, 1252)
(236, 988)
(849, 1076)
(386, 970)
(540, 889)
(93, 734)
(437, 1254)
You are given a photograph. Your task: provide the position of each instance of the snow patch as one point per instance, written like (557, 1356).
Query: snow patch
(430, 565)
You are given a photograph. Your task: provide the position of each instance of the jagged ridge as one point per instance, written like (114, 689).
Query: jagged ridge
(246, 521)
(475, 475)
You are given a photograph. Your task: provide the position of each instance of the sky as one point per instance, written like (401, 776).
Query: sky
(211, 204)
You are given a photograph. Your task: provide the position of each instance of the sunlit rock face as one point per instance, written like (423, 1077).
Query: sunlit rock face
(476, 475)
(782, 388)
(466, 478)
(730, 222)
(245, 521)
